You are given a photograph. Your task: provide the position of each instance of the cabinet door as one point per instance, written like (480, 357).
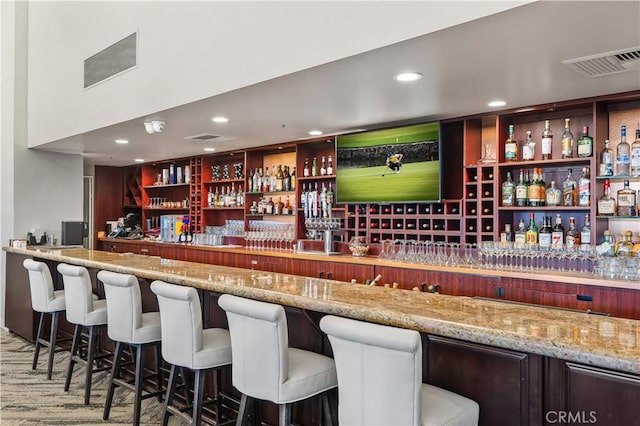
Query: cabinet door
(331, 270)
(560, 295)
(583, 394)
(506, 384)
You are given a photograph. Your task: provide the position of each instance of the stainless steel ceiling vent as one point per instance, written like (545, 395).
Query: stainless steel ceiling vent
(113, 60)
(203, 137)
(606, 63)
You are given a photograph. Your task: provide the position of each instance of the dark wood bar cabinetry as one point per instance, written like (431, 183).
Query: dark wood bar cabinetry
(514, 383)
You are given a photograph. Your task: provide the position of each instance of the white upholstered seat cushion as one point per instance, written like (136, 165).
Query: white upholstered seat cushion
(444, 408)
(98, 316)
(215, 350)
(310, 373)
(149, 331)
(58, 303)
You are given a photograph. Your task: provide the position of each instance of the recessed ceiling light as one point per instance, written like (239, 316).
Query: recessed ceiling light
(494, 104)
(209, 149)
(315, 132)
(139, 160)
(220, 119)
(121, 141)
(408, 76)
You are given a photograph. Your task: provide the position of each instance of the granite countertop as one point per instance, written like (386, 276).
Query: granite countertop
(612, 343)
(567, 277)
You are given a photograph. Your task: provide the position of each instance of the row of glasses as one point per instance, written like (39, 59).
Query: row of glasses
(157, 202)
(532, 257)
(270, 235)
(429, 252)
(617, 268)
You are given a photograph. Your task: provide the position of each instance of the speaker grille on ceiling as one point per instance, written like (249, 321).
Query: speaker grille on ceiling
(113, 60)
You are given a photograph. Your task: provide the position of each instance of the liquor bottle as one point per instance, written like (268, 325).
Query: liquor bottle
(323, 166)
(313, 201)
(569, 190)
(553, 196)
(547, 141)
(257, 180)
(506, 236)
(232, 197)
(314, 167)
(303, 199)
(532, 231)
(535, 193)
(572, 238)
(606, 159)
(557, 234)
(635, 154)
(189, 234)
(511, 147)
(624, 247)
(585, 143)
(274, 179)
(608, 244)
(306, 171)
(330, 166)
(269, 206)
(567, 140)
(277, 206)
(286, 179)
(210, 199)
(508, 189)
(521, 191)
(521, 235)
(329, 199)
(250, 181)
(254, 208)
(286, 209)
(584, 188)
(322, 201)
(585, 233)
(543, 188)
(279, 179)
(293, 179)
(240, 197)
(606, 203)
(622, 154)
(544, 236)
(528, 148)
(626, 201)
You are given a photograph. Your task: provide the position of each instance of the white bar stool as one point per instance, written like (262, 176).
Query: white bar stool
(265, 367)
(127, 325)
(185, 344)
(46, 300)
(83, 310)
(380, 378)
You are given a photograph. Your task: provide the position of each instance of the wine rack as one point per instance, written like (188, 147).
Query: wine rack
(478, 202)
(406, 221)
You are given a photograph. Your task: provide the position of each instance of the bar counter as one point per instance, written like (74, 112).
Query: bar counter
(592, 340)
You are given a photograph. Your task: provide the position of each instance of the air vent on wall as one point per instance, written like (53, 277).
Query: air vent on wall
(606, 63)
(113, 60)
(202, 137)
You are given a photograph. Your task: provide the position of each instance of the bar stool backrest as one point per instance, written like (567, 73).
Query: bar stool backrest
(78, 292)
(379, 372)
(124, 305)
(40, 284)
(259, 346)
(181, 322)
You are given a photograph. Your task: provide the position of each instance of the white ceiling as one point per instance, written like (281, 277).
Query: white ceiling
(514, 55)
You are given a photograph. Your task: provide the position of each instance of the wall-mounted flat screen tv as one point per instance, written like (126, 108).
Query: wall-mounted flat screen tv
(400, 164)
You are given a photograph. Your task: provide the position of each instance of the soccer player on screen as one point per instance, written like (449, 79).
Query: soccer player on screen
(394, 162)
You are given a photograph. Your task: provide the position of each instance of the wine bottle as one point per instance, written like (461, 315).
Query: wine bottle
(547, 141)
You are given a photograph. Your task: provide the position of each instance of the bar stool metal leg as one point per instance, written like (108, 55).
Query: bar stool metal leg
(38, 342)
(171, 388)
(52, 343)
(139, 379)
(72, 359)
(197, 396)
(91, 351)
(115, 374)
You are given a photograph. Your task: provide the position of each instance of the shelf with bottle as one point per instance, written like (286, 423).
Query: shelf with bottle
(223, 181)
(546, 134)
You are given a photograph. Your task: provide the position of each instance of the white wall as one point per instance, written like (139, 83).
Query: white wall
(194, 50)
(38, 189)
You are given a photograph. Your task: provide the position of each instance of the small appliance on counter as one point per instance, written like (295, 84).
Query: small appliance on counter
(74, 233)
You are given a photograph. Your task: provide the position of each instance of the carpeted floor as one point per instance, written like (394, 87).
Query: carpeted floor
(28, 398)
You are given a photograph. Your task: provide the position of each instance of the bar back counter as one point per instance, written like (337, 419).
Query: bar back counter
(523, 364)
